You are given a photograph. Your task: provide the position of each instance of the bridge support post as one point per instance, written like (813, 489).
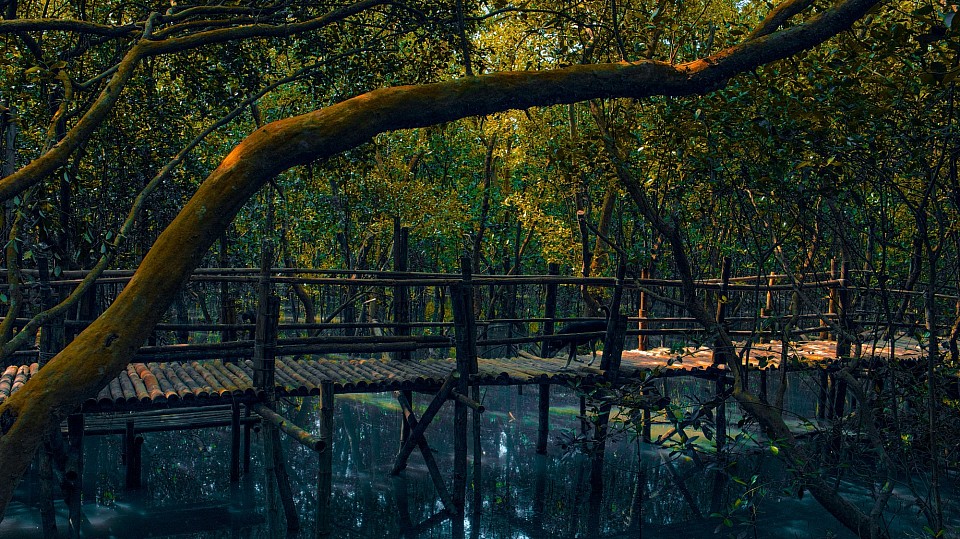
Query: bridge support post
(543, 415)
(235, 442)
(132, 453)
(247, 427)
(645, 430)
(642, 340)
(48, 514)
(550, 313)
(466, 340)
(325, 460)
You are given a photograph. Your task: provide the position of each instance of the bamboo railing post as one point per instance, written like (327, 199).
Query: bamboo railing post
(543, 404)
(466, 365)
(268, 320)
(228, 307)
(843, 311)
(401, 298)
(401, 308)
(616, 328)
(264, 348)
(642, 340)
(509, 302)
(73, 476)
(766, 313)
(831, 302)
(466, 328)
(52, 333)
(325, 459)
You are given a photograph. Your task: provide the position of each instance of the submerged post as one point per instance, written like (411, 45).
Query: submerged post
(48, 513)
(325, 459)
(73, 477)
(132, 453)
(247, 427)
(234, 442)
(543, 416)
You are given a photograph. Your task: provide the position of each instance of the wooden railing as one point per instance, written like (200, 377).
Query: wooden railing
(756, 307)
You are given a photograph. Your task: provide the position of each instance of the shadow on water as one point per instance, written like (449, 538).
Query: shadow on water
(645, 492)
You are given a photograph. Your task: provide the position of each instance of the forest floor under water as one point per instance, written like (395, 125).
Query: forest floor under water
(187, 493)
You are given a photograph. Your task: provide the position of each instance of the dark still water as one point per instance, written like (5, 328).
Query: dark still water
(187, 492)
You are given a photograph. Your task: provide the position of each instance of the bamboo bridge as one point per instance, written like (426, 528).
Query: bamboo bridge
(235, 381)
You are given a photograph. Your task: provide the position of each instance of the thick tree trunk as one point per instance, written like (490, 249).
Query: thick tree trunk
(103, 350)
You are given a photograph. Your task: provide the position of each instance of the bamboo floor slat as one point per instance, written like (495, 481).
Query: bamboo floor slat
(144, 386)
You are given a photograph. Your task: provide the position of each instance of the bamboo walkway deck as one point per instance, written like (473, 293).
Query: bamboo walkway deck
(196, 383)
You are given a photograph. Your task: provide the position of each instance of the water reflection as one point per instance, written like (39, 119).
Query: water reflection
(187, 492)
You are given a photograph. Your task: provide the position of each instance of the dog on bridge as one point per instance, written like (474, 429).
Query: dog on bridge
(572, 338)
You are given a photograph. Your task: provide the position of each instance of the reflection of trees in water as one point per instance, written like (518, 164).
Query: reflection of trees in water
(523, 493)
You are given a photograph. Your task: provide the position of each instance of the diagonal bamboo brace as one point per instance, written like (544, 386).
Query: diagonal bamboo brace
(416, 434)
(428, 459)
